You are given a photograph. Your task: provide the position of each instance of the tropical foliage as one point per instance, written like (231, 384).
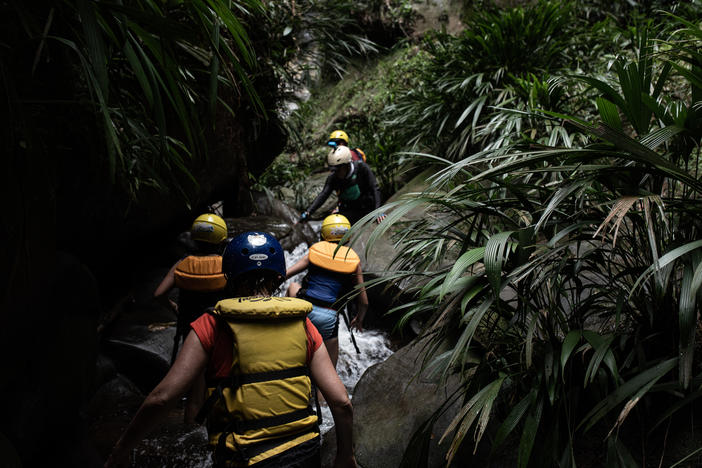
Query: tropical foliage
(150, 81)
(560, 276)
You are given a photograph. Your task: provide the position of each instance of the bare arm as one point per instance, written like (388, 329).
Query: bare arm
(168, 282)
(189, 365)
(299, 266)
(334, 392)
(362, 299)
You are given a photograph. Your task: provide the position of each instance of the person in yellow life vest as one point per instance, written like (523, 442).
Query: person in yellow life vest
(259, 356)
(198, 277)
(331, 274)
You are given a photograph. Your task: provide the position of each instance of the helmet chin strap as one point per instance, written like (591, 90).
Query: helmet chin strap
(351, 169)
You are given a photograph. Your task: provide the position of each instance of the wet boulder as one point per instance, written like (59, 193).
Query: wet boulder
(391, 402)
(142, 351)
(139, 340)
(266, 204)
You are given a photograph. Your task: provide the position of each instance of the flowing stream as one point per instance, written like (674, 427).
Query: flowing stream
(186, 447)
(372, 345)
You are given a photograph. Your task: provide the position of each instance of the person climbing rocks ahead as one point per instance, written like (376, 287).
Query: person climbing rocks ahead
(340, 138)
(354, 183)
(199, 276)
(333, 271)
(259, 355)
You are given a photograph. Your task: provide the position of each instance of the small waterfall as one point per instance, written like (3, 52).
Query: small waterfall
(187, 445)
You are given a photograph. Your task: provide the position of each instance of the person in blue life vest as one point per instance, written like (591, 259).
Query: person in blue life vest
(333, 271)
(354, 184)
(198, 277)
(259, 355)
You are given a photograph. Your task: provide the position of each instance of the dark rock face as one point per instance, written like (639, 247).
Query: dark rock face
(144, 351)
(49, 346)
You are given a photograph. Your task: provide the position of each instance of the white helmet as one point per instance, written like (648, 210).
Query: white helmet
(338, 156)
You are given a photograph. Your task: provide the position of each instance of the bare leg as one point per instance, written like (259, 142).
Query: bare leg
(293, 289)
(332, 345)
(195, 400)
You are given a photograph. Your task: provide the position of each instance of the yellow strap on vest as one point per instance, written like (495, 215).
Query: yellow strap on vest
(263, 308)
(344, 261)
(200, 273)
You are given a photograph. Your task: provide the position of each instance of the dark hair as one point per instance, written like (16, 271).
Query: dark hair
(253, 283)
(208, 248)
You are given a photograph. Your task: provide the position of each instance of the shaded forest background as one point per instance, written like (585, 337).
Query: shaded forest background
(557, 271)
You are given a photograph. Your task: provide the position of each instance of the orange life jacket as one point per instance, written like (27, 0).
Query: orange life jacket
(203, 274)
(325, 255)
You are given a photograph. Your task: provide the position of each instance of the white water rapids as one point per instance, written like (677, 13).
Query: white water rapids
(188, 447)
(372, 345)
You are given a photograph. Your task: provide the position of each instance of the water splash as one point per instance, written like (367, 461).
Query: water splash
(373, 348)
(373, 345)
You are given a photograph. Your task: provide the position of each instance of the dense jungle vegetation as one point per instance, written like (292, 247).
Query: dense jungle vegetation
(558, 267)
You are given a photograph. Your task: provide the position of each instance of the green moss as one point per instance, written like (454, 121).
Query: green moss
(355, 104)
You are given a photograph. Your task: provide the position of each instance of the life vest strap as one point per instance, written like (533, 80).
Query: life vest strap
(224, 457)
(241, 426)
(236, 381)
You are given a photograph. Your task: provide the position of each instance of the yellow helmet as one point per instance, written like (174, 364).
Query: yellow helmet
(209, 228)
(334, 227)
(339, 135)
(339, 155)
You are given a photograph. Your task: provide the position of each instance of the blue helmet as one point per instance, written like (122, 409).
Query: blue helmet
(253, 251)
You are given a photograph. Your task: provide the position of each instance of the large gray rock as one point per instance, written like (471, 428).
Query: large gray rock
(143, 352)
(266, 204)
(313, 186)
(377, 258)
(391, 403)
(139, 340)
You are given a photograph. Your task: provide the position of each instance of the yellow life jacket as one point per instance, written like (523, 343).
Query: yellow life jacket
(344, 261)
(196, 273)
(263, 408)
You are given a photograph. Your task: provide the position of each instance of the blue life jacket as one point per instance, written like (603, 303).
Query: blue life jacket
(325, 287)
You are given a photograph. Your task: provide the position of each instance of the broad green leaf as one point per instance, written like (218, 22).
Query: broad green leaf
(687, 319)
(526, 442)
(513, 418)
(496, 253)
(609, 113)
(478, 407)
(628, 388)
(571, 340)
(664, 261)
(466, 260)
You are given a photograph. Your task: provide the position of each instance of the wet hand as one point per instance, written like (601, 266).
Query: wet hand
(357, 323)
(380, 218)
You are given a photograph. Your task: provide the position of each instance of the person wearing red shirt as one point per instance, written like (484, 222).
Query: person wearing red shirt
(260, 411)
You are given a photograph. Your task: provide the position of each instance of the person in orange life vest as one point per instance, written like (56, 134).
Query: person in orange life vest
(330, 276)
(199, 277)
(259, 355)
(340, 138)
(354, 183)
